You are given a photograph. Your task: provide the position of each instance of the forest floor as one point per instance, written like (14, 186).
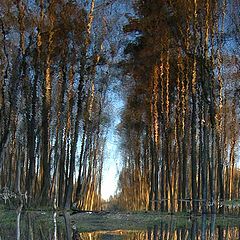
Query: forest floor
(141, 220)
(109, 221)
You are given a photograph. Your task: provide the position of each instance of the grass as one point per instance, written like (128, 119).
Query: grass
(104, 221)
(7, 218)
(142, 220)
(35, 220)
(109, 226)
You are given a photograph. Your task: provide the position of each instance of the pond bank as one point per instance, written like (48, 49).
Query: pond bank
(89, 221)
(105, 220)
(42, 223)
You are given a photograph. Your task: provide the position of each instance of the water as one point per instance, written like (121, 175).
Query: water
(167, 232)
(40, 225)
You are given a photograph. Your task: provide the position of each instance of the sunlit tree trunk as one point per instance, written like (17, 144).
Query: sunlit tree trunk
(46, 114)
(155, 131)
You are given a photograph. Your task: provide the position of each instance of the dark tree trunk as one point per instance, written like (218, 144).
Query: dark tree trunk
(194, 153)
(184, 173)
(204, 162)
(220, 175)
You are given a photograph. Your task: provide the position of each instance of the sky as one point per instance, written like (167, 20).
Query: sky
(112, 159)
(110, 171)
(115, 14)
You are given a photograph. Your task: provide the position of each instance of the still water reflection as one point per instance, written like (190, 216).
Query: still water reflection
(31, 226)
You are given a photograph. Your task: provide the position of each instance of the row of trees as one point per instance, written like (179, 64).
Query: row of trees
(53, 96)
(180, 125)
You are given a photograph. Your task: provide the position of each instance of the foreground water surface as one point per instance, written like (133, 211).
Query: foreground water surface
(31, 226)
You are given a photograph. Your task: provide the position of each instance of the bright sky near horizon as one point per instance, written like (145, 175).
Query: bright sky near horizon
(112, 159)
(110, 173)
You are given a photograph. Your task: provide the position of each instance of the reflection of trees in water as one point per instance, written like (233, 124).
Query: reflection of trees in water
(115, 234)
(201, 231)
(195, 231)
